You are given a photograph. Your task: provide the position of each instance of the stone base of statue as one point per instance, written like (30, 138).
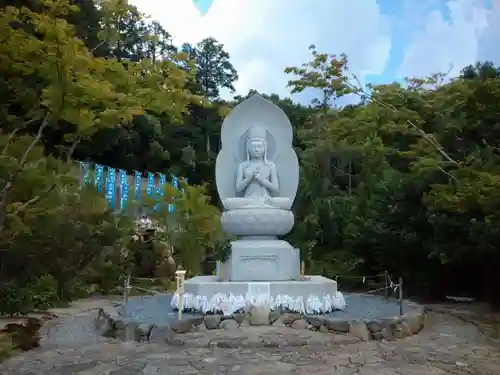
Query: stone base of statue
(262, 260)
(312, 295)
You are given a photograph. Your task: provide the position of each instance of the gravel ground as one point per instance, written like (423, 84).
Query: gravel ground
(75, 330)
(367, 307)
(446, 346)
(157, 309)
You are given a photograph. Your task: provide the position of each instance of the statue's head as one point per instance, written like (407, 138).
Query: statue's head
(256, 143)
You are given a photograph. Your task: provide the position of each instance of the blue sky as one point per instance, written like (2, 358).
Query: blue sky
(385, 40)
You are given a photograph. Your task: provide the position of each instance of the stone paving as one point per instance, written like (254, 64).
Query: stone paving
(446, 346)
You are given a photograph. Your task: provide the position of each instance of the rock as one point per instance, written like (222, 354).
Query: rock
(197, 321)
(300, 324)
(228, 324)
(337, 325)
(415, 322)
(258, 316)
(289, 318)
(244, 323)
(274, 315)
(358, 328)
(315, 321)
(402, 330)
(226, 343)
(129, 333)
(161, 334)
(100, 319)
(323, 329)
(181, 326)
(374, 326)
(117, 323)
(279, 323)
(202, 328)
(144, 331)
(387, 331)
(104, 325)
(377, 336)
(271, 343)
(239, 317)
(212, 321)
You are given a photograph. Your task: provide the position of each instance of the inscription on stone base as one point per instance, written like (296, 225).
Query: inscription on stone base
(272, 260)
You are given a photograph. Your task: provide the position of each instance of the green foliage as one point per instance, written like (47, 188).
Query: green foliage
(43, 292)
(407, 180)
(191, 232)
(223, 250)
(13, 299)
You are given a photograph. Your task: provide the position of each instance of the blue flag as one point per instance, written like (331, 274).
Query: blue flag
(203, 5)
(111, 186)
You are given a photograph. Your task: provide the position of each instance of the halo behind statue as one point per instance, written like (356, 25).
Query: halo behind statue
(257, 111)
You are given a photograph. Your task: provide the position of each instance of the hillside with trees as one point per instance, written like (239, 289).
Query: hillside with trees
(406, 181)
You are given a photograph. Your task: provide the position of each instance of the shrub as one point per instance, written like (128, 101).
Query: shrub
(43, 293)
(14, 300)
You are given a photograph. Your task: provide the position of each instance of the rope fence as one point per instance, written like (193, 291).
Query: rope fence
(127, 286)
(389, 285)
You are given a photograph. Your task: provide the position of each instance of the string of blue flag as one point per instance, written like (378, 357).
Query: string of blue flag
(108, 184)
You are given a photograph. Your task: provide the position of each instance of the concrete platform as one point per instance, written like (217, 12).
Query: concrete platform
(312, 285)
(262, 261)
(313, 294)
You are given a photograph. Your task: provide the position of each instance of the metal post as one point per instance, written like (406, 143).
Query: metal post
(401, 312)
(386, 290)
(126, 293)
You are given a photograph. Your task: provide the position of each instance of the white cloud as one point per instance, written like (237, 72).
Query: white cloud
(489, 43)
(265, 36)
(467, 36)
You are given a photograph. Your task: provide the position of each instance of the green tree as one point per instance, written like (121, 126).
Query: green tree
(214, 70)
(74, 89)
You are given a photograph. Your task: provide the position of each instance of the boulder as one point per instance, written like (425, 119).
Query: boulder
(258, 315)
(358, 328)
(228, 324)
(212, 321)
(300, 324)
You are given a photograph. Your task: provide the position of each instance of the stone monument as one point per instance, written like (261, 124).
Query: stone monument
(257, 175)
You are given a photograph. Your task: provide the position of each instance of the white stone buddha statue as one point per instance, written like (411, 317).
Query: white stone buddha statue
(257, 170)
(257, 177)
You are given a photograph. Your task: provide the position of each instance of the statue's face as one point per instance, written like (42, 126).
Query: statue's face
(257, 148)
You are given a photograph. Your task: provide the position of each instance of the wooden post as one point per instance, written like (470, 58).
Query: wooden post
(179, 276)
(302, 270)
(401, 312)
(386, 290)
(179, 307)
